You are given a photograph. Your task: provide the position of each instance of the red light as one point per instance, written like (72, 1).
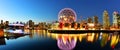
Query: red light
(113, 46)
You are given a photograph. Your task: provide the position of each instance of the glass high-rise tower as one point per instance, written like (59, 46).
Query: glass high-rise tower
(106, 21)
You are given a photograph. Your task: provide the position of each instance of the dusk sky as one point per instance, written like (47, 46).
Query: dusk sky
(47, 10)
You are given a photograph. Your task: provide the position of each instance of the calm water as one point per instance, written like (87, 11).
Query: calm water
(41, 40)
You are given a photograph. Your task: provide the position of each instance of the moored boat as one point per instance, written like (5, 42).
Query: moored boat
(15, 29)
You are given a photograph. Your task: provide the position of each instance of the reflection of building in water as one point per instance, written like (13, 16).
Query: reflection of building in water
(31, 33)
(40, 33)
(81, 36)
(66, 42)
(96, 36)
(114, 40)
(104, 39)
(2, 41)
(67, 39)
(119, 37)
(91, 37)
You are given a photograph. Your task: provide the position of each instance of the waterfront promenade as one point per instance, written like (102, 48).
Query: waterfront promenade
(81, 31)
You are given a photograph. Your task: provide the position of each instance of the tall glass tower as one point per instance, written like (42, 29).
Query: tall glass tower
(106, 22)
(115, 19)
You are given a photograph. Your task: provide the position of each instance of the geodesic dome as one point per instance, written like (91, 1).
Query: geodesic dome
(67, 15)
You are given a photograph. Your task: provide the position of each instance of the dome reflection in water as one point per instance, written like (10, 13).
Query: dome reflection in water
(66, 42)
(100, 41)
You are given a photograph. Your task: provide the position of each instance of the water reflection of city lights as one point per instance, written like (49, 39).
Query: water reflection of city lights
(66, 42)
(114, 40)
(100, 37)
(81, 36)
(90, 37)
(104, 39)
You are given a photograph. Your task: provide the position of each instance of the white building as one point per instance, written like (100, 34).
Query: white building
(115, 19)
(55, 25)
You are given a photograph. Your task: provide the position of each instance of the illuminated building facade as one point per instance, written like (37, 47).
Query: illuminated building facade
(95, 20)
(67, 15)
(2, 25)
(115, 19)
(55, 25)
(106, 22)
(119, 21)
(6, 24)
(89, 20)
(31, 24)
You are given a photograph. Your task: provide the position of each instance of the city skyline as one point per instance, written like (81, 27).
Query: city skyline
(45, 10)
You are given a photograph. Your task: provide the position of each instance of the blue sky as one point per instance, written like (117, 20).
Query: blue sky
(47, 10)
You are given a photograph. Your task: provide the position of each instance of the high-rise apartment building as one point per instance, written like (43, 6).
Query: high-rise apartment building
(106, 22)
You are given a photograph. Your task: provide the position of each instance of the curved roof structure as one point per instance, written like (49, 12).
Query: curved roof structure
(67, 15)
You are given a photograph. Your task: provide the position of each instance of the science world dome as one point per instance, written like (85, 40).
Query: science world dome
(67, 15)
